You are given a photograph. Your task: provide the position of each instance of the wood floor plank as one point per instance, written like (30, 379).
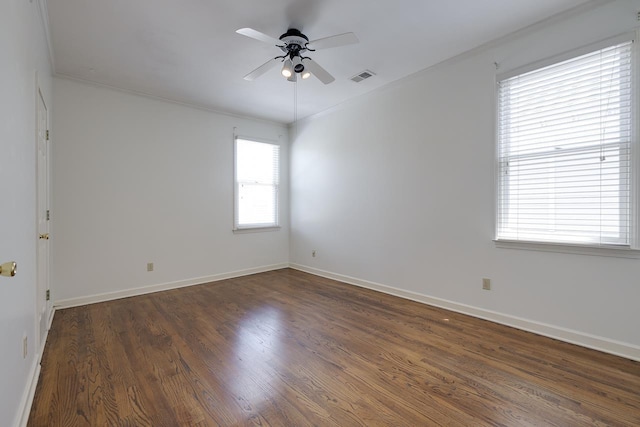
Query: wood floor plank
(286, 348)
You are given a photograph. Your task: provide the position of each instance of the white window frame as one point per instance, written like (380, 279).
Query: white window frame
(252, 227)
(633, 249)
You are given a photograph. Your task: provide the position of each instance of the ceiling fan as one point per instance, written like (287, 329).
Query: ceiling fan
(294, 45)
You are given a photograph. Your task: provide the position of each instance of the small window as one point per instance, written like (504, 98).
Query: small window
(257, 176)
(564, 151)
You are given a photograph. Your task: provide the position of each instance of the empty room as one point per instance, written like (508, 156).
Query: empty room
(320, 213)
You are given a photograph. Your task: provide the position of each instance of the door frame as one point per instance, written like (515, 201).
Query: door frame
(43, 314)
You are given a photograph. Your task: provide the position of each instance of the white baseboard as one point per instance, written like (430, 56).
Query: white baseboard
(606, 345)
(109, 296)
(49, 322)
(34, 375)
(29, 393)
(27, 399)
(574, 337)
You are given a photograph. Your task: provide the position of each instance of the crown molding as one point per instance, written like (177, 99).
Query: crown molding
(43, 11)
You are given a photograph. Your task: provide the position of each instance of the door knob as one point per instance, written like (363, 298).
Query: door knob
(45, 236)
(8, 269)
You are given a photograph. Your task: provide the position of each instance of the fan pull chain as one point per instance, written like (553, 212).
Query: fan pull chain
(295, 109)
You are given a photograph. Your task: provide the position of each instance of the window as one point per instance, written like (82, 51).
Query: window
(257, 177)
(564, 151)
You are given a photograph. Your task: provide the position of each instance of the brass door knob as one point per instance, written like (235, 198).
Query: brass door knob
(8, 269)
(45, 236)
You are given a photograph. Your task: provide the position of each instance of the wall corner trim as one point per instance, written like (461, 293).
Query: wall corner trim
(594, 342)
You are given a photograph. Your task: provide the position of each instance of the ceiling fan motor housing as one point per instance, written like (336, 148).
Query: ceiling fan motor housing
(293, 35)
(295, 44)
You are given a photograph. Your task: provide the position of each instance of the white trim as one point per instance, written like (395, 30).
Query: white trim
(542, 24)
(255, 229)
(594, 342)
(201, 107)
(617, 348)
(537, 26)
(29, 393)
(236, 207)
(608, 251)
(43, 11)
(46, 309)
(256, 139)
(110, 296)
(635, 144)
(52, 312)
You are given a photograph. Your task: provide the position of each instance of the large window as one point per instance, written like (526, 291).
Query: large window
(564, 151)
(257, 176)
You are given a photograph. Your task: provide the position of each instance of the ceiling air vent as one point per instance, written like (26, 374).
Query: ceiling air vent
(362, 76)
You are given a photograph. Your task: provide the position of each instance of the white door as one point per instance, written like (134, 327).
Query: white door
(43, 304)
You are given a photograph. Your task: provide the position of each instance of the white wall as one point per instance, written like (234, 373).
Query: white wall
(396, 190)
(139, 180)
(23, 53)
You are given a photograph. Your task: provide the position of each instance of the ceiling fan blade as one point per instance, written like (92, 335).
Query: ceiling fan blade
(318, 71)
(261, 69)
(334, 41)
(257, 35)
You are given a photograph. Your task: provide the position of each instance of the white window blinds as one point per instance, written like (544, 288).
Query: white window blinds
(256, 184)
(564, 151)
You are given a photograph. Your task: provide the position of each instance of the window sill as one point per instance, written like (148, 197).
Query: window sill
(255, 229)
(607, 251)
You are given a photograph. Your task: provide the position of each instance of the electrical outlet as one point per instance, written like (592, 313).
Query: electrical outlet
(486, 284)
(313, 253)
(149, 266)
(24, 347)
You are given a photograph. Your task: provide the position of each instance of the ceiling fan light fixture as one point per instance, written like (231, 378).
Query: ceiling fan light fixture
(298, 66)
(305, 74)
(287, 68)
(294, 45)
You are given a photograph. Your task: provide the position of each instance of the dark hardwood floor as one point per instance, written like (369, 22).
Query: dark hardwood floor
(285, 348)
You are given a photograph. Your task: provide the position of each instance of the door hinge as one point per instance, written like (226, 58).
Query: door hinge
(47, 134)
(48, 294)
(48, 215)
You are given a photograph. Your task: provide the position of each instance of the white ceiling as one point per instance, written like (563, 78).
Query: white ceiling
(188, 51)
